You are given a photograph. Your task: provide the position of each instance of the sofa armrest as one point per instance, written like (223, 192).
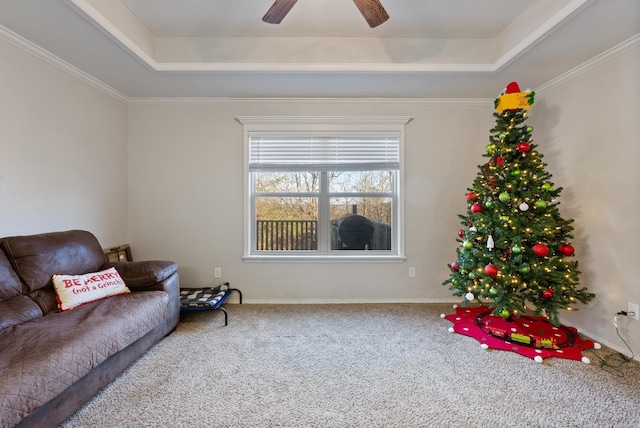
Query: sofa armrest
(143, 273)
(157, 275)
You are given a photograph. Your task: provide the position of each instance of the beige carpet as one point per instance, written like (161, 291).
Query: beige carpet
(366, 365)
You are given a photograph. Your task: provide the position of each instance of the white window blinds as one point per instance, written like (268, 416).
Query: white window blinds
(380, 151)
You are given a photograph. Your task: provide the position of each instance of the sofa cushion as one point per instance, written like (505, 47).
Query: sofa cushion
(10, 285)
(41, 358)
(36, 258)
(76, 290)
(17, 310)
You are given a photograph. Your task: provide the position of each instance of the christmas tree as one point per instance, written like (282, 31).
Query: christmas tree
(515, 249)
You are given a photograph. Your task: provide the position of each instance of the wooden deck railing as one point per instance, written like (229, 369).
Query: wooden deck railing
(286, 235)
(300, 235)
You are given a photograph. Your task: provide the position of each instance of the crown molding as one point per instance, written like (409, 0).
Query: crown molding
(263, 123)
(213, 101)
(594, 62)
(44, 55)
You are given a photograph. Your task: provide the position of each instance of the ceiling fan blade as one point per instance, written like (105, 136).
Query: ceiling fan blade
(278, 11)
(373, 12)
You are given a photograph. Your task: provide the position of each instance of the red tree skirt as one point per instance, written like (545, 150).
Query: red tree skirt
(533, 337)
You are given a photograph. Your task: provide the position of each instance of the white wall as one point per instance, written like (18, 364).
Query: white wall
(63, 158)
(186, 196)
(589, 131)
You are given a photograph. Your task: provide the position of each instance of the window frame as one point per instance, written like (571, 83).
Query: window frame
(289, 125)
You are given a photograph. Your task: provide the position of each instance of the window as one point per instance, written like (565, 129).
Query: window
(323, 187)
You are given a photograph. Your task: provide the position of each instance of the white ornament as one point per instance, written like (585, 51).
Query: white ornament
(490, 243)
(538, 359)
(523, 206)
(469, 296)
(473, 229)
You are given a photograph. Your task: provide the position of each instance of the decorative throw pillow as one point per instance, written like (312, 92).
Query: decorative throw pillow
(75, 290)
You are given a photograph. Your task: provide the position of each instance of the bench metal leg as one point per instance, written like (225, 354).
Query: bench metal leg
(226, 317)
(239, 293)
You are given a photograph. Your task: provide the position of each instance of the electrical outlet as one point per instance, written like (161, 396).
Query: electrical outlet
(217, 272)
(412, 272)
(633, 307)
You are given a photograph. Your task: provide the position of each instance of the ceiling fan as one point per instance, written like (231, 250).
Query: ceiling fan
(372, 10)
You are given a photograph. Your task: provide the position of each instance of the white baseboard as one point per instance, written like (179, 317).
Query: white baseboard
(340, 301)
(616, 347)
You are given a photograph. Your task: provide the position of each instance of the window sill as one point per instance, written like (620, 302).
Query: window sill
(317, 258)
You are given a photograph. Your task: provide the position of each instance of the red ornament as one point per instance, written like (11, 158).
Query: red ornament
(472, 197)
(491, 270)
(454, 267)
(540, 250)
(461, 233)
(547, 294)
(500, 160)
(512, 88)
(566, 250)
(476, 208)
(523, 146)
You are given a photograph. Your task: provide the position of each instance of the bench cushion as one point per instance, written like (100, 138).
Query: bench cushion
(204, 298)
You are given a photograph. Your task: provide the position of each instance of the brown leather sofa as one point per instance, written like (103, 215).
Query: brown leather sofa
(52, 362)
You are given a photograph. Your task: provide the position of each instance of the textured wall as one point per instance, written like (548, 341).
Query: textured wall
(193, 211)
(588, 128)
(63, 161)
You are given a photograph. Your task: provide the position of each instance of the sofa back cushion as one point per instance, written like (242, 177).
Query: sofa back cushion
(15, 307)
(10, 285)
(36, 258)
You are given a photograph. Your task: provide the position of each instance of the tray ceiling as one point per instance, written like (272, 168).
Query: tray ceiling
(323, 48)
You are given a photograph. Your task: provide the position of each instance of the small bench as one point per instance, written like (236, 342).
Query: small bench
(201, 299)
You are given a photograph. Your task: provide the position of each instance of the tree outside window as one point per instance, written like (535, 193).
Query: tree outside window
(323, 192)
